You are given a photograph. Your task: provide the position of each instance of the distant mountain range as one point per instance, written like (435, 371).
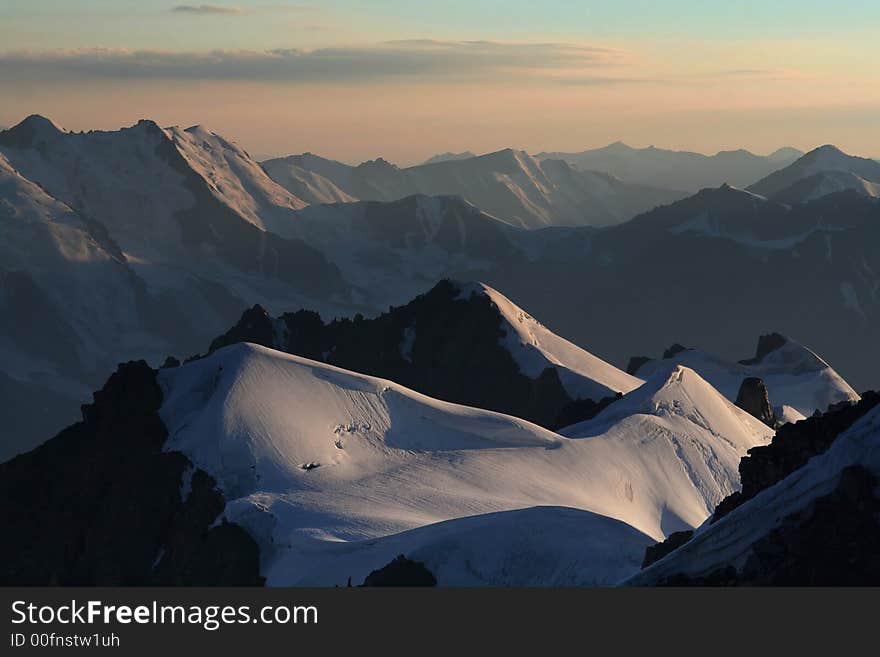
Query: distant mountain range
(510, 185)
(163, 237)
(134, 243)
(678, 169)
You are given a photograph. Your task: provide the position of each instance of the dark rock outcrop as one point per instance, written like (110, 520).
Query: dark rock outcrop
(674, 350)
(635, 362)
(582, 409)
(766, 344)
(102, 503)
(401, 572)
(659, 550)
(792, 447)
(254, 326)
(754, 399)
(835, 541)
(28, 413)
(33, 132)
(439, 344)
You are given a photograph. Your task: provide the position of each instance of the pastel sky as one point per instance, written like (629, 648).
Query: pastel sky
(405, 79)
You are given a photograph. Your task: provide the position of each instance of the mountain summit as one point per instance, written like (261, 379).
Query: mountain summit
(822, 171)
(33, 130)
(461, 342)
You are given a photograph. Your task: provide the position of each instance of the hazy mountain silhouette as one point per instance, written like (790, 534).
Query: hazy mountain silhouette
(678, 169)
(508, 184)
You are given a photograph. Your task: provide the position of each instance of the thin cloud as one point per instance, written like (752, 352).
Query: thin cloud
(418, 60)
(209, 10)
(227, 10)
(762, 74)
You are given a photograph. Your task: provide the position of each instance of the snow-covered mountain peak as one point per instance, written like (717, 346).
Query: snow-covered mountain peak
(380, 164)
(509, 160)
(32, 131)
(787, 183)
(534, 347)
(786, 153)
(619, 147)
(826, 154)
(264, 419)
(235, 178)
(752, 542)
(794, 375)
(680, 393)
(449, 156)
(309, 455)
(147, 125)
(831, 158)
(40, 123)
(779, 353)
(729, 193)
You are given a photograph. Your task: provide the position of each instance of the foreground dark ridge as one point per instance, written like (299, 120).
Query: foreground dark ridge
(793, 445)
(102, 504)
(834, 541)
(455, 355)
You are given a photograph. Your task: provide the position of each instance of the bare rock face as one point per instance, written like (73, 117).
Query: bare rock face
(834, 541)
(792, 447)
(766, 344)
(635, 362)
(254, 326)
(754, 399)
(674, 350)
(659, 550)
(103, 504)
(401, 572)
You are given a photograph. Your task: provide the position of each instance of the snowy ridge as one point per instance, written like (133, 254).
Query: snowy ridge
(676, 413)
(117, 178)
(310, 455)
(235, 178)
(828, 160)
(186, 208)
(729, 541)
(828, 182)
(136, 243)
(798, 381)
(135, 181)
(538, 546)
(534, 347)
(306, 184)
(47, 243)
